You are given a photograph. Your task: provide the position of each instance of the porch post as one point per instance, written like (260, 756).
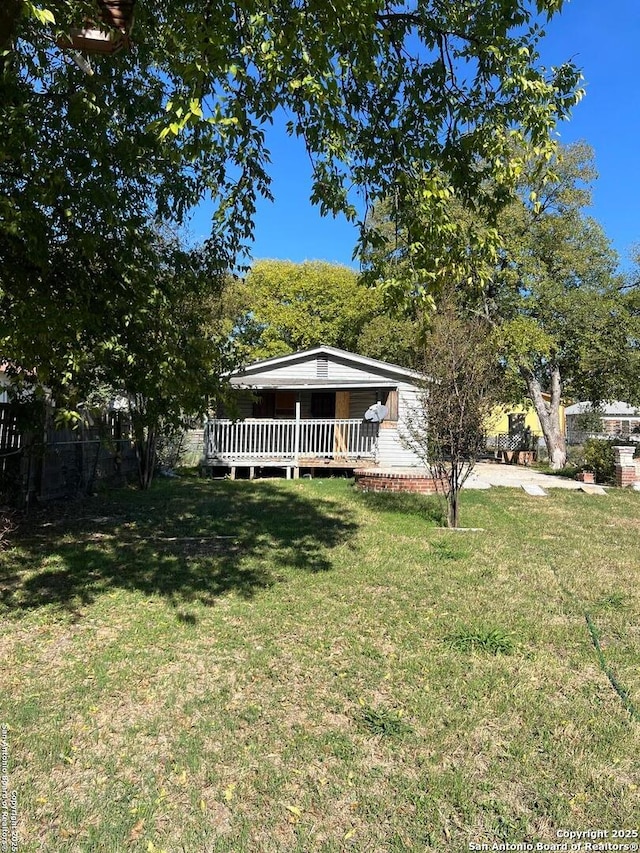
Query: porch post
(296, 434)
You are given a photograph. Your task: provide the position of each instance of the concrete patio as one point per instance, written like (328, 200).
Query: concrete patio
(487, 474)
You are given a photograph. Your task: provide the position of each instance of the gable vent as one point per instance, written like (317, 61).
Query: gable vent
(322, 367)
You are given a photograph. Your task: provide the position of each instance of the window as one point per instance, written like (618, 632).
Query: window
(285, 404)
(275, 404)
(265, 405)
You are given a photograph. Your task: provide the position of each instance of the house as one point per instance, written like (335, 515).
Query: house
(321, 408)
(610, 420)
(512, 426)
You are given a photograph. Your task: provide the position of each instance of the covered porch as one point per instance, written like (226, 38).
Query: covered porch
(297, 428)
(290, 443)
(309, 410)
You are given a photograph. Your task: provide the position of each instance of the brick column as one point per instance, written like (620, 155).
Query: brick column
(625, 466)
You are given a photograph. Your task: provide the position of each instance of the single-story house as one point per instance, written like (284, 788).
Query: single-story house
(509, 425)
(610, 420)
(323, 407)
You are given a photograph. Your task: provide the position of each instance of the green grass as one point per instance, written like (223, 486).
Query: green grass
(294, 666)
(491, 640)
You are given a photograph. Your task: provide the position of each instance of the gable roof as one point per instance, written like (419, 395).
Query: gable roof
(349, 370)
(314, 352)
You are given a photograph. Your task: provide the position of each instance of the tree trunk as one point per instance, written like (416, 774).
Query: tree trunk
(146, 456)
(452, 509)
(452, 497)
(549, 416)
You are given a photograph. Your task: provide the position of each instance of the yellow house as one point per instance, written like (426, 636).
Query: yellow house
(512, 420)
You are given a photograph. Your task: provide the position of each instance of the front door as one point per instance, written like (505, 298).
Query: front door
(323, 404)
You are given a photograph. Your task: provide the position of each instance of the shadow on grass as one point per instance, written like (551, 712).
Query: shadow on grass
(187, 541)
(429, 508)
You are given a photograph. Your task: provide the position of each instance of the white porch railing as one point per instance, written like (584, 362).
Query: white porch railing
(289, 439)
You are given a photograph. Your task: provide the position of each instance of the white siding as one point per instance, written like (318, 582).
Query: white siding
(335, 370)
(392, 451)
(360, 400)
(306, 369)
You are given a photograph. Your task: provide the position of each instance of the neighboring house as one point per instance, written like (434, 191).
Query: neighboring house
(307, 410)
(511, 426)
(608, 421)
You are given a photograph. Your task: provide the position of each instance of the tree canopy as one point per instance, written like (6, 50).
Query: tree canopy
(282, 307)
(546, 279)
(375, 89)
(381, 94)
(557, 297)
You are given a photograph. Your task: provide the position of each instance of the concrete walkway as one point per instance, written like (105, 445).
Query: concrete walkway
(487, 474)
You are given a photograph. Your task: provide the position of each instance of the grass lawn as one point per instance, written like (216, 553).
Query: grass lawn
(295, 666)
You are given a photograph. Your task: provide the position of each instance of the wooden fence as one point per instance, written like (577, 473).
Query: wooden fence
(52, 463)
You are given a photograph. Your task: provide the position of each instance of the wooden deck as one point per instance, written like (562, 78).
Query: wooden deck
(289, 443)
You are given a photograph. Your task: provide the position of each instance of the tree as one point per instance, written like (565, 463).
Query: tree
(154, 347)
(86, 161)
(544, 275)
(447, 428)
(557, 299)
(393, 335)
(163, 359)
(372, 88)
(283, 307)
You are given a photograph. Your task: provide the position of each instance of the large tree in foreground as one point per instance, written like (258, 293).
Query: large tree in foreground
(374, 89)
(378, 92)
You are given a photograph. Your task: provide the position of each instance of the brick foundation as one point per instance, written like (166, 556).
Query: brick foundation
(389, 481)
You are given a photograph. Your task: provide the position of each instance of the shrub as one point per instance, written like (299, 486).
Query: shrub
(598, 456)
(170, 448)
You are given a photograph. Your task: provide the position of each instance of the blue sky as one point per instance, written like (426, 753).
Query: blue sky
(602, 38)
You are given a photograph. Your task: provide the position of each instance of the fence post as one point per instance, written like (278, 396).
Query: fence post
(625, 467)
(296, 432)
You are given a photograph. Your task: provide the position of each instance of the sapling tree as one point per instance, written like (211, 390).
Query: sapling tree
(446, 428)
